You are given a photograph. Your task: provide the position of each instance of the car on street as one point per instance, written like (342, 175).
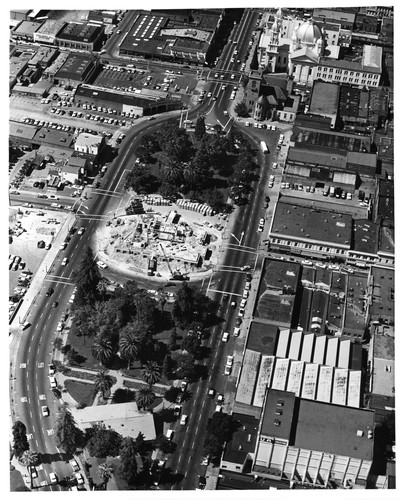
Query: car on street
(101, 264)
(74, 464)
(57, 393)
(34, 472)
(306, 262)
(59, 328)
(245, 268)
(247, 285)
(218, 408)
(65, 261)
(319, 264)
(202, 481)
(228, 370)
(229, 360)
(55, 304)
(49, 292)
(51, 369)
(241, 313)
(211, 393)
(45, 411)
(53, 383)
(183, 419)
(245, 294)
(236, 331)
(243, 303)
(81, 230)
(79, 478)
(53, 478)
(169, 434)
(275, 165)
(225, 337)
(177, 410)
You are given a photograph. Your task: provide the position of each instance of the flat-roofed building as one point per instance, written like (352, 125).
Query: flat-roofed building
(382, 307)
(162, 36)
(81, 36)
(314, 232)
(78, 68)
(124, 418)
(43, 57)
(51, 71)
(48, 31)
(25, 30)
(365, 243)
(354, 389)
(295, 346)
(240, 450)
(325, 101)
(247, 380)
(298, 442)
(21, 134)
(89, 143)
(344, 354)
(283, 343)
(137, 104)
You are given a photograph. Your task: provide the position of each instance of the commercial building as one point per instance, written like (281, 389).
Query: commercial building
(160, 36)
(78, 68)
(43, 57)
(325, 101)
(48, 31)
(25, 30)
(139, 103)
(89, 144)
(310, 231)
(298, 441)
(81, 36)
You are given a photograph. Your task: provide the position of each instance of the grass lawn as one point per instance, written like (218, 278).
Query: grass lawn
(83, 346)
(17, 482)
(80, 391)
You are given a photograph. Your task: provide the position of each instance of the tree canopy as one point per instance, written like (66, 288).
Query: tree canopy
(20, 440)
(68, 435)
(86, 279)
(102, 442)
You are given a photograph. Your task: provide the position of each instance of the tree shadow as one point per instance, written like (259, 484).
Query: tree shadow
(123, 396)
(168, 476)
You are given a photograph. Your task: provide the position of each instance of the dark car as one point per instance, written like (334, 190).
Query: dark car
(57, 393)
(202, 481)
(49, 292)
(238, 321)
(248, 278)
(267, 198)
(225, 297)
(55, 304)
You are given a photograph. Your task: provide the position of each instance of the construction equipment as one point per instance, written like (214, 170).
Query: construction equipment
(175, 276)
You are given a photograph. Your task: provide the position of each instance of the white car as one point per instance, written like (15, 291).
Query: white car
(245, 294)
(260, 228)
(247, 285)
(275, 165)
(101, 264)
(225, 337)
(319, 264)
(229, 360)
(243, 303)
(53, 383)
(45, 411)
(241, 313)
(64, 261)
(74, 464)
(236, 331)
(51, 369)
(53, 477)
(334, 266)
(59, 328)
(218, 408)
(81, 230)
(169, 434)
(228, 370)
(306, 262)
(183, 420)
(79, 478)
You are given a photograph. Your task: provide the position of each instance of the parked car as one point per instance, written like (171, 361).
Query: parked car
(53, 478)
(236, 331)
(45, 411)
(225, 337)
(183, 420)
(74, 464)
(211, 393)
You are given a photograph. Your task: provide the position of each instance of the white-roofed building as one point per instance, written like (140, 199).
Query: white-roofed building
(89, 143)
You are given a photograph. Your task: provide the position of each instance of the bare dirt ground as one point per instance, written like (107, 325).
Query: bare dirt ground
(124, 246)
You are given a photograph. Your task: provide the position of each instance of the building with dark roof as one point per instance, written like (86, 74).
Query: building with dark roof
(83, 36)
(307, 441)
(21, 134)
(171, 39)
(325, 101)
(383, 296)
(78, 68)
(345, 18)
(239, 452)
(310, 231)
(43, 57)
(275, 298)
(364, 242)
(138, 104)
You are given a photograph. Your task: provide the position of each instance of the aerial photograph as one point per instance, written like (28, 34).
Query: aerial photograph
(201, 249)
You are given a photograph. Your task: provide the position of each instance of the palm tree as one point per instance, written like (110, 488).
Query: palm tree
(144, 397)
(29, 458)
(103, 382)
(105, 471)
(191, 173)
(129, 347)
(102, 287)
(102, 349)
(173, 171)
(151, 373)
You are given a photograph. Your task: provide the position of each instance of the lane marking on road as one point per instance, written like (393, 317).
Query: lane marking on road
(42, 313)
(196, 432)
(199, 418)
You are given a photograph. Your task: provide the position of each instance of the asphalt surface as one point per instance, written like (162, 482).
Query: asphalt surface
(33, 346)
